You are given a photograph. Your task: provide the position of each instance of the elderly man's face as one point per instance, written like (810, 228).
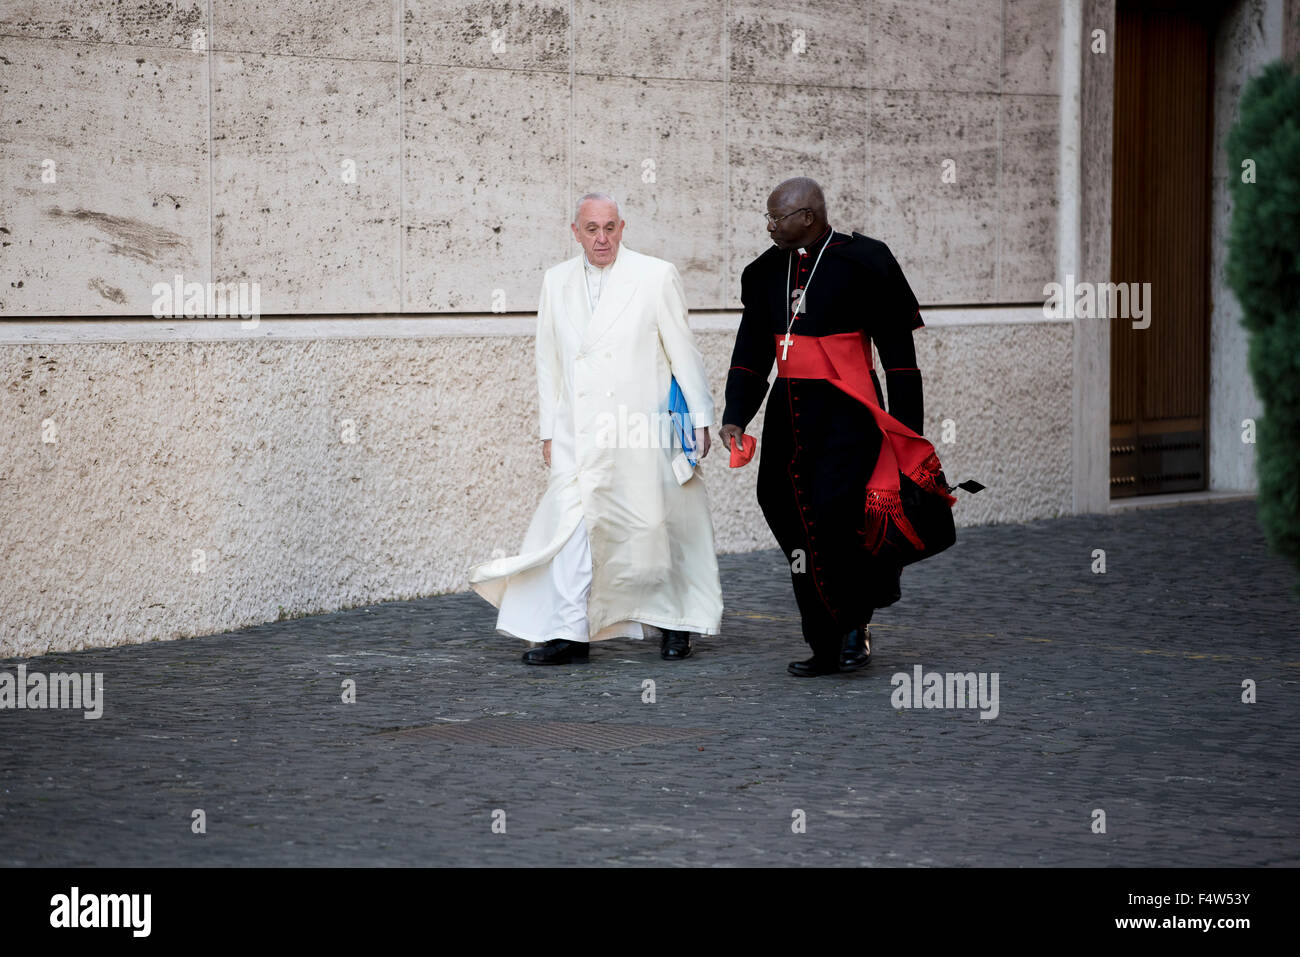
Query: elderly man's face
(787, 220)
(599, 230)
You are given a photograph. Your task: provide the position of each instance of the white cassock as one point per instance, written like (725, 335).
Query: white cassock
(617, 543)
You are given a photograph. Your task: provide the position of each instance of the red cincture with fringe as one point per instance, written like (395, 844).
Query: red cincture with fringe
(844, 360)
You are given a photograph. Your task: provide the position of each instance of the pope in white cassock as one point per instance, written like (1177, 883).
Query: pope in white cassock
(620, 545)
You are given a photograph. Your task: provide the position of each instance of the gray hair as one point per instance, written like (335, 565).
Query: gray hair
(600, 197)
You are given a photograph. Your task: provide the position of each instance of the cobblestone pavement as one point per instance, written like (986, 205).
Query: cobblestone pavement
(1119, 691)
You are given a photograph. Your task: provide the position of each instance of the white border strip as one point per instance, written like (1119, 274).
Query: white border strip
(352, 327)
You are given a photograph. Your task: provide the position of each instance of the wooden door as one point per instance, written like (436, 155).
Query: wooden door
(1161, 222)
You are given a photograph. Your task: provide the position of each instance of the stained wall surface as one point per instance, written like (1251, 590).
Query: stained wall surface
(361, 156)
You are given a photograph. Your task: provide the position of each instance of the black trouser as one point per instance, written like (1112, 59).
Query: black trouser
(821, 447)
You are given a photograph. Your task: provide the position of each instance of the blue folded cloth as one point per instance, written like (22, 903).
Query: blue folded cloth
(681, 418)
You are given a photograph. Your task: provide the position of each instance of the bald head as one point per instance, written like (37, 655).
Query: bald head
(801, 191)
(798, 207)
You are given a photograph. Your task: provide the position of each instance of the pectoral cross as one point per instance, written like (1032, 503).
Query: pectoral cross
(786, 343)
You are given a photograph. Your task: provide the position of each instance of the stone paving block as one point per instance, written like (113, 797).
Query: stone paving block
(1119, 692)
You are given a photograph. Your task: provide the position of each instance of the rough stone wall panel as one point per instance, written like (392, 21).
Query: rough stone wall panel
(812, 43)
(936, 45)
(933, 193)
(645, 38)
(471, 150)
(653, 145)
(486, 187)
(781, 131)
(1031, 37)
(171, 24)
(104, 174)
(197, 487)
(1028, 190)
(305, 187)
(528, 35)
(333, 29)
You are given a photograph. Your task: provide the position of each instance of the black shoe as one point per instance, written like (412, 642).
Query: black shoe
(676, 645)
(557, 651)
(814, 667)
(856, 650)
(825, 660)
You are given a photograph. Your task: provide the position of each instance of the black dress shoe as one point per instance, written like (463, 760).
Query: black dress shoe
(825, 659)
(675, 645)
(557, 651)
(814, 667)
(856, 651)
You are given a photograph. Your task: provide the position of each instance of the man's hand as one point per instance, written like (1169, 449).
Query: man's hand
(702, 442)
(546, 452)
(731, 434)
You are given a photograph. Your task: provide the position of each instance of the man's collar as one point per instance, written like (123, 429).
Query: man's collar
(587, 263)
(819, 241)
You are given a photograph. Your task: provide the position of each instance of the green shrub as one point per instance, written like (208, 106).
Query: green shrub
(1263, 268)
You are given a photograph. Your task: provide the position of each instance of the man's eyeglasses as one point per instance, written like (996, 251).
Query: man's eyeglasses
(773, 220)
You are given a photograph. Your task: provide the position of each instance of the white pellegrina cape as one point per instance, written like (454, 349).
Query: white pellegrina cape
(603, 393)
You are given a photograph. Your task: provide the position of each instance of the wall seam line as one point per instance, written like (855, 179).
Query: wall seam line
(401, 156)
(212, 238)
(726, 151)
(998, 205)
(573, 54)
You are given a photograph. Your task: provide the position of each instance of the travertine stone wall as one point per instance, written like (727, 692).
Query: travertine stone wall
(160, 489)
(362, 156)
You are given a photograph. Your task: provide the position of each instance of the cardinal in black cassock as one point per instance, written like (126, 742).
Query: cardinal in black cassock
(828, 480)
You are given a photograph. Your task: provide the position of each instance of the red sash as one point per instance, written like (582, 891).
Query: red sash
(844, 360)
